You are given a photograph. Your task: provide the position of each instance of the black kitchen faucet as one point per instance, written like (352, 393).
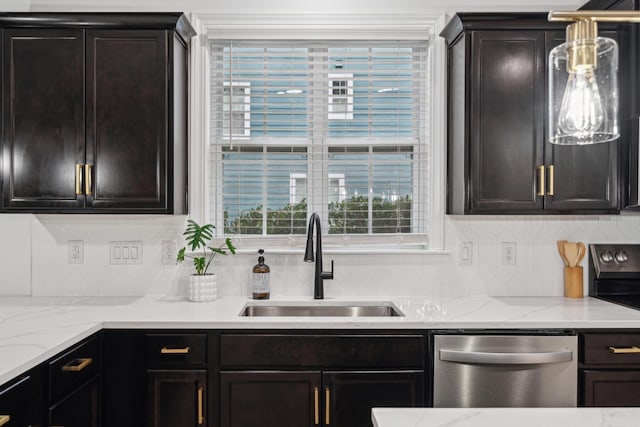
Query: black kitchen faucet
(318, 284)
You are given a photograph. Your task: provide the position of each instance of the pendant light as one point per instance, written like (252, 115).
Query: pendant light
(583, 80)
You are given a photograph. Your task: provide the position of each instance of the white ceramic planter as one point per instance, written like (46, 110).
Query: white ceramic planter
(203, 287)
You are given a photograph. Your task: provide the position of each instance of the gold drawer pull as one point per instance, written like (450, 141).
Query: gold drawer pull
(77, 365)
(540, 181)
(316, 406)
(4, 419)
(200, 398)
(78, 178)
(88, 184)
(624, 350)
(166, 350)
(552, 178)
(327, 402)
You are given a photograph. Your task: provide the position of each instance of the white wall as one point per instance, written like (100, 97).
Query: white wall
(33, 259)
(33, 249)
(293, 6)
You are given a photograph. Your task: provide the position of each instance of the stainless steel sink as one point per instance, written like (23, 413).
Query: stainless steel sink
(343, 310)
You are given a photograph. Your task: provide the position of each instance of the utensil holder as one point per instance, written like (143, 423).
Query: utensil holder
(573, 282)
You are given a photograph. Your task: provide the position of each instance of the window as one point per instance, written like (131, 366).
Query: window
(236, 109)
(358, 156)
(340, 96)
(298, 187)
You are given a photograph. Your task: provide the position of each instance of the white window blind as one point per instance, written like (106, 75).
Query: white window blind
(333, 127)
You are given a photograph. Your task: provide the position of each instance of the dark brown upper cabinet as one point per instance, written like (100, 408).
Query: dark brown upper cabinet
(499, 161)
(629, 67)
(94, 113)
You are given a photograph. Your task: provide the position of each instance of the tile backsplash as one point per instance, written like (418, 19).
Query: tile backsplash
(33, 259)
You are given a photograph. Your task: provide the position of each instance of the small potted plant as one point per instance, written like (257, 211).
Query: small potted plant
(202, 286)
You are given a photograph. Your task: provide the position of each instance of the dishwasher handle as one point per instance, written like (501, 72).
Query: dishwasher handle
(484, 358)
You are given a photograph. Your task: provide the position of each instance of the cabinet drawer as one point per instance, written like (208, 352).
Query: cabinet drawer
(22, 400)
(598, 349)
(73, 367)
(176, 349)
(78, 409)
(350, 350)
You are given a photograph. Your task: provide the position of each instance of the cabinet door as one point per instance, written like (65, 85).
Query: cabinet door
(78, 409)
(124, 379)
(270, 399)
(584, 177)
(22, 401)
(506, 117)
(177, 398)
(611, 388)
(349, 396)
(127, 114)
(43, 118)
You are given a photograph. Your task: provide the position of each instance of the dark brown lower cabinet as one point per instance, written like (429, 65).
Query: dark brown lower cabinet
(177, 398)
(610, 368)
(270, 399)
(22, 401)
(313, 398)
(78, 409)
(349, 396)
(611, 388)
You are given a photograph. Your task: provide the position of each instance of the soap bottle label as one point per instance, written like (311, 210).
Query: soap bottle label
(260, 283)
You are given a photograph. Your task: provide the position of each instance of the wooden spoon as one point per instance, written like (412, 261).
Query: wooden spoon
(560, 244)
(571, 252)
(582, 251)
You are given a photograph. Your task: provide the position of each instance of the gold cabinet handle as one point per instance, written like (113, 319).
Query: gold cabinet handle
(77, 365)
(200, 413)
(624, 350)
(316, 406)
(4, 419)
(166, 350)
(540, 181)
(327, 396)
(552, 174)
(88, 184)
(79, 178)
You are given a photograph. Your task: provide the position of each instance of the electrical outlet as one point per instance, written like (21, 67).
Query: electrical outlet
(169, 250)
(75, 252)
(129, 252)
(509, 253)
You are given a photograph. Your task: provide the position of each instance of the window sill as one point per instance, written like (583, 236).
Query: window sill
(351, 251)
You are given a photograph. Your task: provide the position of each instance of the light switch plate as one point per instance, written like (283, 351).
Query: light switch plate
(465, 257)
(125, 252)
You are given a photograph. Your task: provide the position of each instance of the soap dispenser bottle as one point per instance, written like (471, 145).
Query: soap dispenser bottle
(260, 278)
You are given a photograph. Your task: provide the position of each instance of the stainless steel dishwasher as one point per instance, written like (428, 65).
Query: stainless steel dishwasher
(505, 370)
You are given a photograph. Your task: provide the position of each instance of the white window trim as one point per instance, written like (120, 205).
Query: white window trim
(329, 27)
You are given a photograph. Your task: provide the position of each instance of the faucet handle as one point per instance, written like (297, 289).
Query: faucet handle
(327, 274)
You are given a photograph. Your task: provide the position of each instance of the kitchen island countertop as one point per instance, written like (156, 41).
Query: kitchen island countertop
(33, 329)
(505, 417)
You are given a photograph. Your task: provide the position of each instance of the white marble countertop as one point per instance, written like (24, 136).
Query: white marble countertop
(34, 329)
(505, 417)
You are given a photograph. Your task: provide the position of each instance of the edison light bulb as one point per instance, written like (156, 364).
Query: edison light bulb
(581, 112)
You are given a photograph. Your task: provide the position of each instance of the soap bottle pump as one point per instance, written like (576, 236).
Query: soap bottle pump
(260, 278)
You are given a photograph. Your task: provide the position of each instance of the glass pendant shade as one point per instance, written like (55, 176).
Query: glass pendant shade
(583, 92)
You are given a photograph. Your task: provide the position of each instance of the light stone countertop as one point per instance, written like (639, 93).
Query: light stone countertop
(505, 417)
(34, 329)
